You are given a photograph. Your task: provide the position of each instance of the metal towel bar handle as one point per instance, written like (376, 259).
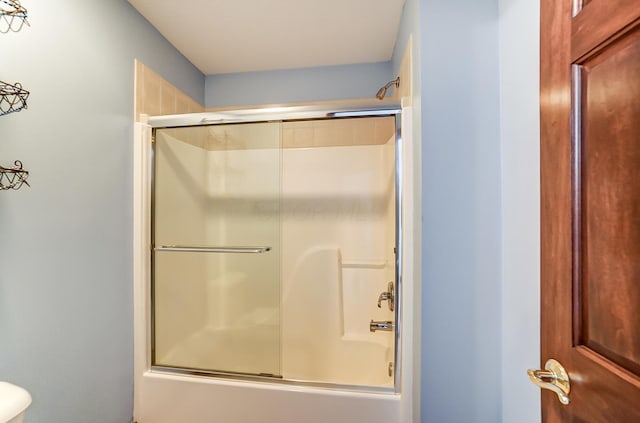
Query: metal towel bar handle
(189, 249)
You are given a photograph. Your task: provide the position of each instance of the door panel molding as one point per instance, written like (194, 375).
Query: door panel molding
(601, 22)
(590, 207)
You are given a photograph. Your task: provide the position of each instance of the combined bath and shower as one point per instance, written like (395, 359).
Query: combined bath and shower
(383, 91)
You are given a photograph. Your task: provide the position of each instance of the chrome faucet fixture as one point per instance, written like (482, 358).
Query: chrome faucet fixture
(389, 296)
(383, 91)
(386, 326)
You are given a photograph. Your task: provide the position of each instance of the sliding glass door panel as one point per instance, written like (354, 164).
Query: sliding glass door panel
(217, 248)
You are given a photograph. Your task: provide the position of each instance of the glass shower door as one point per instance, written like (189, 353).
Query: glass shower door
(216, 259)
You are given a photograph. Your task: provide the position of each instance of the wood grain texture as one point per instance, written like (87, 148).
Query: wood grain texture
(611, 203)
(555, 192)
(600, 22)
(602, 390)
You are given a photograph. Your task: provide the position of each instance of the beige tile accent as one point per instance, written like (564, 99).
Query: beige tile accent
(298, 134)
(356, 103)
(192, 106)
(405, 72)
(194, 135)
(154, 95)
(138, 77)
(338, 132)
(167, 99)
(151, 93)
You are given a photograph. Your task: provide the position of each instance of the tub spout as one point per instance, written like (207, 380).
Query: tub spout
(377, 325)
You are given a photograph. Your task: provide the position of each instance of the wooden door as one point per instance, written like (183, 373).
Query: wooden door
(590, 198)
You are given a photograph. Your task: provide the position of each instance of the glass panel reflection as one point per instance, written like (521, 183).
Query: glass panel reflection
(218, 188)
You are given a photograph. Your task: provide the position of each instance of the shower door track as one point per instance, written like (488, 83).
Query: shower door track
(270, 114)
(279, 380)
(288, 114)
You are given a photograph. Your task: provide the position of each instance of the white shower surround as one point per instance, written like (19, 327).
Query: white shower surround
(162, 397)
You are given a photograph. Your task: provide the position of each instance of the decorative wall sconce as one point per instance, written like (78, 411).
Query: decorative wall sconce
(12, 16)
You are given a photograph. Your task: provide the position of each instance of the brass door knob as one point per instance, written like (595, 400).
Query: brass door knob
(555, 378)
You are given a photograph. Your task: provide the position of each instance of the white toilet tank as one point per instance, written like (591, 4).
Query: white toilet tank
(13, 402)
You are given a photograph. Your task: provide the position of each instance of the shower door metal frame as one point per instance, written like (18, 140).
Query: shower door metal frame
(288, 114)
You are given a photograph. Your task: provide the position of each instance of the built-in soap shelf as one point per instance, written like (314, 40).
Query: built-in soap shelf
(360, 282)
(13, 97)
(364, 264)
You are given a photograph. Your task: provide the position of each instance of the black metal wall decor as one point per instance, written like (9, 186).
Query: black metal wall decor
(13, 97)
(13, 177)
(12, 16)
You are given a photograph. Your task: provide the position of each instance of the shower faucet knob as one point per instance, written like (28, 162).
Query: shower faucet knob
(389, 296)
(385, 296)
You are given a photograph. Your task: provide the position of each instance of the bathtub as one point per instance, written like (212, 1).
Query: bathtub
(163, 396)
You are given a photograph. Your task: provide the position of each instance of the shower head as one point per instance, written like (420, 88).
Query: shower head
(383, 91)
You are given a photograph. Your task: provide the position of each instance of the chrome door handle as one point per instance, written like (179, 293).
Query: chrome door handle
(555, 378)
(388, 296)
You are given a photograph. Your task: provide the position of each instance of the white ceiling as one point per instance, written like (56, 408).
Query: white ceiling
(226, 36)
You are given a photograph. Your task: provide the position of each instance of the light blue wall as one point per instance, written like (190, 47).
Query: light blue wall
(66, 329)
(520, 138)
(461, 204)
(297, 85)
(65, 250)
